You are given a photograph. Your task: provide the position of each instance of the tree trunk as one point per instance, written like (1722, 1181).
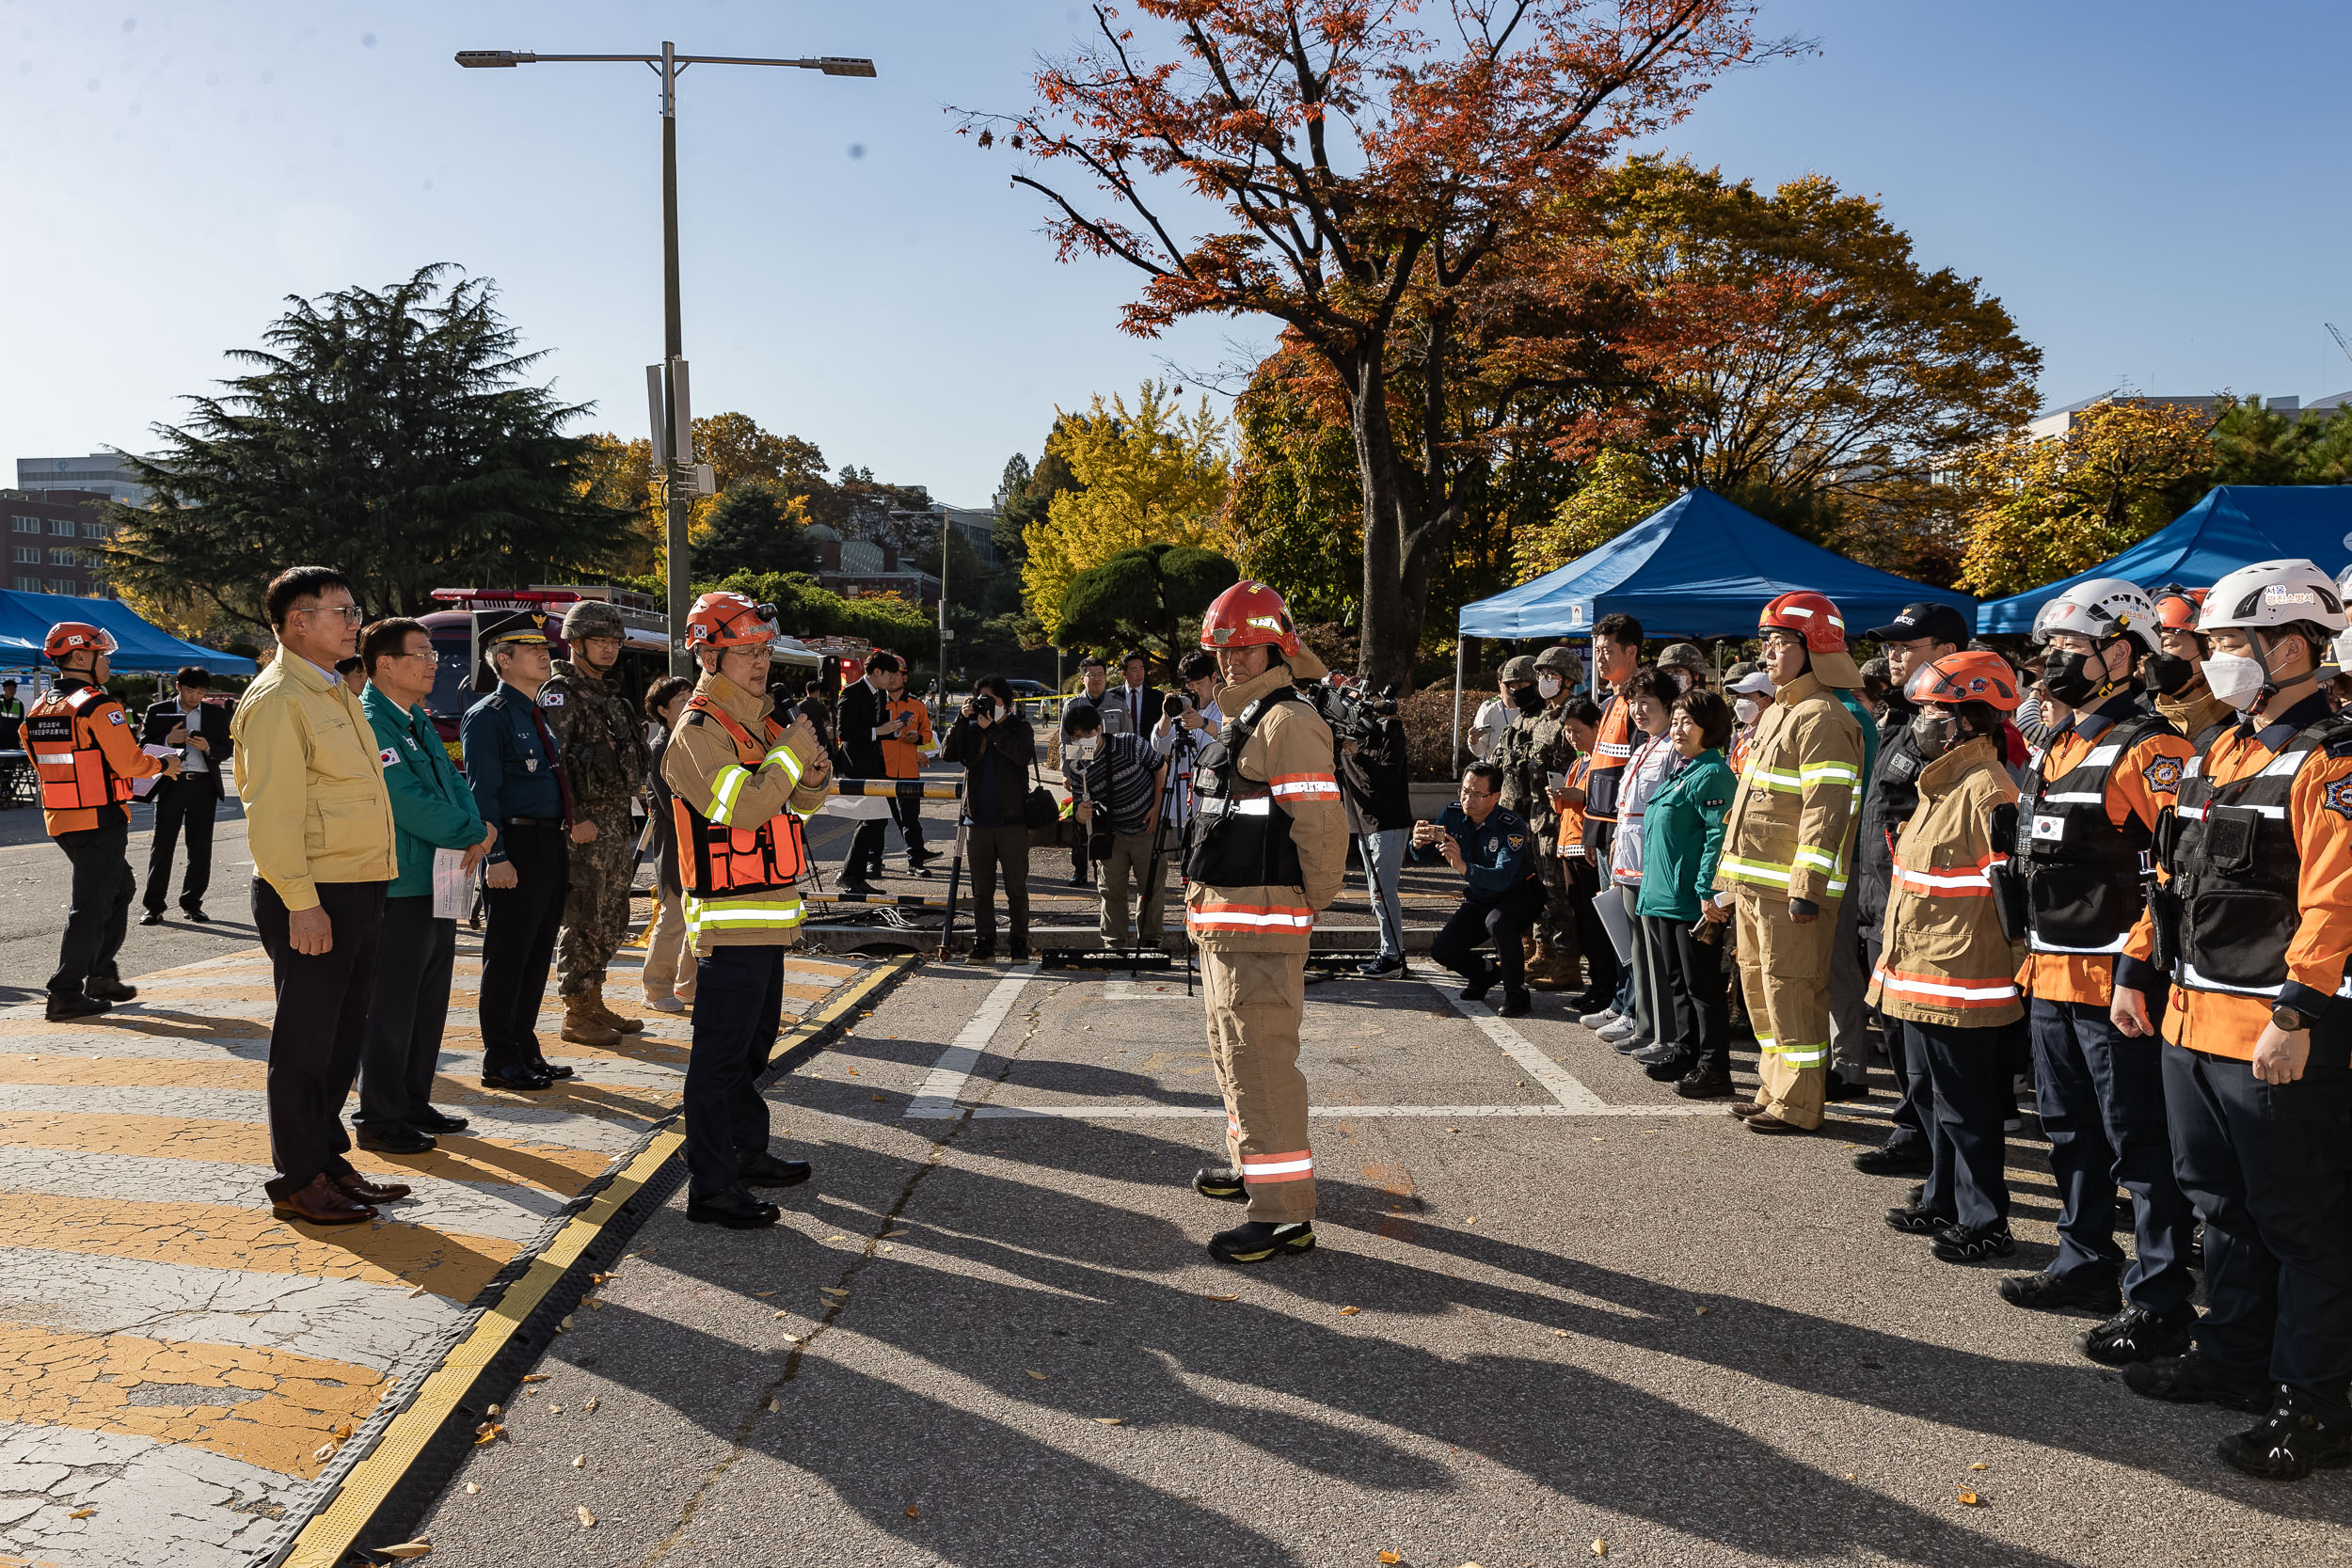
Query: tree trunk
(1403, 538)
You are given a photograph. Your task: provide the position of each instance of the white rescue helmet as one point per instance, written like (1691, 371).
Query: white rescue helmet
(2271, 593)
(2100, 608)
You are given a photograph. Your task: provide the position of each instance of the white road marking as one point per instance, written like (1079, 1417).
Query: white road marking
(1557, 1081)
(936, 1099)
(1177, 1113)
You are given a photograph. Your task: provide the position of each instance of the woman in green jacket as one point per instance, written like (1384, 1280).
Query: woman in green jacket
(1682, 833)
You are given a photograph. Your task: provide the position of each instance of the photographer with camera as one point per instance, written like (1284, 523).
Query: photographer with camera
(995, 746)
(1380, 815)
(1504, 893)
(1119, 807)
(1187, 720)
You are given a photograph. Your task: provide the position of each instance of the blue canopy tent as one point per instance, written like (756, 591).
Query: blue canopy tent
(2236, 525)
(25, 620)
(1698, 566)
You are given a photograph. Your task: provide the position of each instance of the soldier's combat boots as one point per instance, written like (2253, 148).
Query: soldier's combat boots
(1551, 969)
(613, 1021)
(583, 1023)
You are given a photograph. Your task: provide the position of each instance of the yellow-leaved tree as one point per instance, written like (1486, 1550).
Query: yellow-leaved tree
(1616, 490)
(1151, 474)
(2043, 510)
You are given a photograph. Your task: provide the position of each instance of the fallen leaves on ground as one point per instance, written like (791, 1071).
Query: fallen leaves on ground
(1701, 1312)
(877, 1099)
(1349, 1311)
(486, 1433)
(900, 1231)
(536, 1377)
(555, 1410)
(1600, 1547)
(324, 1453)
(473, 1489)
(762, 1294)
(1981, 1465)
(1970, 1498)
(399, 1550)
(580, 1462)
(587, 1520)
(591, 1406)
(81, 1513)
(1040, 1376)
(913, 1512)
(1236, 1296)
(492, 1411)
(1391, 1557)
(1110, 1420)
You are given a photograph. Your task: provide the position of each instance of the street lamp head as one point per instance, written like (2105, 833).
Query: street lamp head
(839, 65)
(476, 59)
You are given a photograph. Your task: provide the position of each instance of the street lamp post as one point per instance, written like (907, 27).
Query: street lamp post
(673, 453)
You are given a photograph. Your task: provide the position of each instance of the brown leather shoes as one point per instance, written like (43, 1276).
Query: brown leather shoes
(360, 1190)
(320, 1203)
(1764, 1121)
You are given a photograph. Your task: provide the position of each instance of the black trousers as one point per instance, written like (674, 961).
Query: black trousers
(986, 850)
(1701, 1024)
(2270, 1166)
(322, 1020)
(407, 1012)
(2101, 1098)
(184, 807)
(518, 945)
(739, 1003)
(1912, 1100)
(1968, 1075)
(100, 913)
(909, 815)
(866, 849)
(1505, 919)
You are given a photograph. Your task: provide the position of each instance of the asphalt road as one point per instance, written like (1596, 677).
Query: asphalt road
(1549, 1317)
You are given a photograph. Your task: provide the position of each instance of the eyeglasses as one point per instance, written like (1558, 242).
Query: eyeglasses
(351, 613)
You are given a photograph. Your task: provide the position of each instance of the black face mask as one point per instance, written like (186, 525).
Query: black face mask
(1933, 731)
(2170, 675)
(1528, 700)
(2068, 677)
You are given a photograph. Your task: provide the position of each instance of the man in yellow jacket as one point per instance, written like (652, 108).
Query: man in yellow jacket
(319, 823)
(741, 784)
(1787, 851)
(1947, 968)
(1267, 849)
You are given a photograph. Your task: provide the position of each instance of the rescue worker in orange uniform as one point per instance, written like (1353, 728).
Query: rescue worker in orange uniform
(2107, 770)
(87, 752)
(741, 784)
(2253, 923)
(1266, 850)
(1947, 967)
(1788, 851)
(2176, 674)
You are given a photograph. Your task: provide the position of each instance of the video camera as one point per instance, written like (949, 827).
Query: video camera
(1351, 715)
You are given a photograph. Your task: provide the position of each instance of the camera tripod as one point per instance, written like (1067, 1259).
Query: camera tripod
(1181, 747)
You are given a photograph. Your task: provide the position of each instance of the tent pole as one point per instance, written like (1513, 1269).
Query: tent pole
(1461, 651)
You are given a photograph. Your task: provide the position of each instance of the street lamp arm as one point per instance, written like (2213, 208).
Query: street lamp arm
(832, 65)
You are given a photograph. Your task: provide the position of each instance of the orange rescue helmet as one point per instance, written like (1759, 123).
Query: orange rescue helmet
(725, 620)
(1809, 614)
(73, 637)
(1970, 675)
(1248, 613)
(2177, 606)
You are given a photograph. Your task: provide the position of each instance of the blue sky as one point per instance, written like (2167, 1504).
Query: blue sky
(2153, 187)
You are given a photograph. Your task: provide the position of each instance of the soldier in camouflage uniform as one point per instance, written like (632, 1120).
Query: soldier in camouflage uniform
(1554, 966)
(603, 745)
(1515, 752)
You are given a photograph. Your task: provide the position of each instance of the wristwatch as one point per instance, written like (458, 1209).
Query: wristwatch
(2289, 1020)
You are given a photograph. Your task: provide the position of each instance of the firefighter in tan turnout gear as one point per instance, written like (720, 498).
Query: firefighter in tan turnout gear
(1266, 850)
(1786, 850)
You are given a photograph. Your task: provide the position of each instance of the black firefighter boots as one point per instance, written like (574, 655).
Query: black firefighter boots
(1220, 1182)
(1255, 1241)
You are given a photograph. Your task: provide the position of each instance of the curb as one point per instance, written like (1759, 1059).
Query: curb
(549, 1283)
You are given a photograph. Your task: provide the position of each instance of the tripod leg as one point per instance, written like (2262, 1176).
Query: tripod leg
(955, 876)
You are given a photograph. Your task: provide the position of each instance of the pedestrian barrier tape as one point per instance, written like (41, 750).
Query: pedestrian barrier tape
(333, 1533)
(905, 790)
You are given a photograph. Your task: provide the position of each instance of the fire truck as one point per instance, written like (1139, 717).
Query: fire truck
(462, 680)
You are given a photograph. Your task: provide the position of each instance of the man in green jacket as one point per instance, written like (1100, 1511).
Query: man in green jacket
(433, 809)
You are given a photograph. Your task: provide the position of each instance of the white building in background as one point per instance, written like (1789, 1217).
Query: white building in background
(2058, 422)
(98, 473)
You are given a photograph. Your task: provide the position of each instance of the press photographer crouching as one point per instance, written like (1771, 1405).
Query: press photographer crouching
(995, 746)
(1495, 853)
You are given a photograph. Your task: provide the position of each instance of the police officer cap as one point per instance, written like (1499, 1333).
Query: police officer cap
(1518, 668)
(592, 618)
(1559, 659)
(523, 625)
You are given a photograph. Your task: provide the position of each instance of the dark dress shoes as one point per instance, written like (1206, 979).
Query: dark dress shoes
(63, 1008)
(734, 1207)
(320, 1203)
(522, 1079)
(109, 988)
(550, 1071)
(360, 1190)
(1909, 1157)
(394, 1137)
(152, 917)
(431, 1120)
(761, 1168)
(197, 914)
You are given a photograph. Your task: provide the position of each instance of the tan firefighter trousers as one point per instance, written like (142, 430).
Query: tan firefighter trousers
(1783, 977)
(1255, 1003)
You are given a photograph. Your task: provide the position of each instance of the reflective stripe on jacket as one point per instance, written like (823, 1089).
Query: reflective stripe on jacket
(1291, 752)
(1945, 958)
(705, 772)
(1791, 828)
(85, 752)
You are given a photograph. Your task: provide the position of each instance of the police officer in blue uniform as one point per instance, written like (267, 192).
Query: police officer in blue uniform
(1495, 851)
(517, 778)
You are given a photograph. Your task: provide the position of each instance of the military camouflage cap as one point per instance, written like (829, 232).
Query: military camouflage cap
(592, 618)
(1518, 668)
(1560, 659)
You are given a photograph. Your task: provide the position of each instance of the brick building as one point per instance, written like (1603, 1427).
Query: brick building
(52, 536)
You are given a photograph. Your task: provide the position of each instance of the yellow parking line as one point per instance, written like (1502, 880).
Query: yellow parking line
(547, 1167)
(329, 1536)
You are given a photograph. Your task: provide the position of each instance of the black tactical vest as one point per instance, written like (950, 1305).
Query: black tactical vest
(1237, 836)
(2086, 877)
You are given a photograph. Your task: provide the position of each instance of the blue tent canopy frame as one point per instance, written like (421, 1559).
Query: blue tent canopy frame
(2236, 525)
(143, 647)
(1698, 566)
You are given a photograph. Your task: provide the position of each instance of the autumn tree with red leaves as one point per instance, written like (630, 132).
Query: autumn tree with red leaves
(1380, 178)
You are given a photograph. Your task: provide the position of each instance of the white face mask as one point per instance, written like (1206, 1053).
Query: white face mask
(1745, 710)
(2235, 678)
(1548, 686)
(1081, 750)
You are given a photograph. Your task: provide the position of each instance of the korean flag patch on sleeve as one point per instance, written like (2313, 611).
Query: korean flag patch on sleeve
(551, 699)
(387, 756)
(115, 718)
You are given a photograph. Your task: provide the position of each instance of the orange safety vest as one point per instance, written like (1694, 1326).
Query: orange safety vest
(74, 774)
(717, 860)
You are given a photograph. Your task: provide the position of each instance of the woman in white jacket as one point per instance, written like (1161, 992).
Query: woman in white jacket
(1649, 693)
